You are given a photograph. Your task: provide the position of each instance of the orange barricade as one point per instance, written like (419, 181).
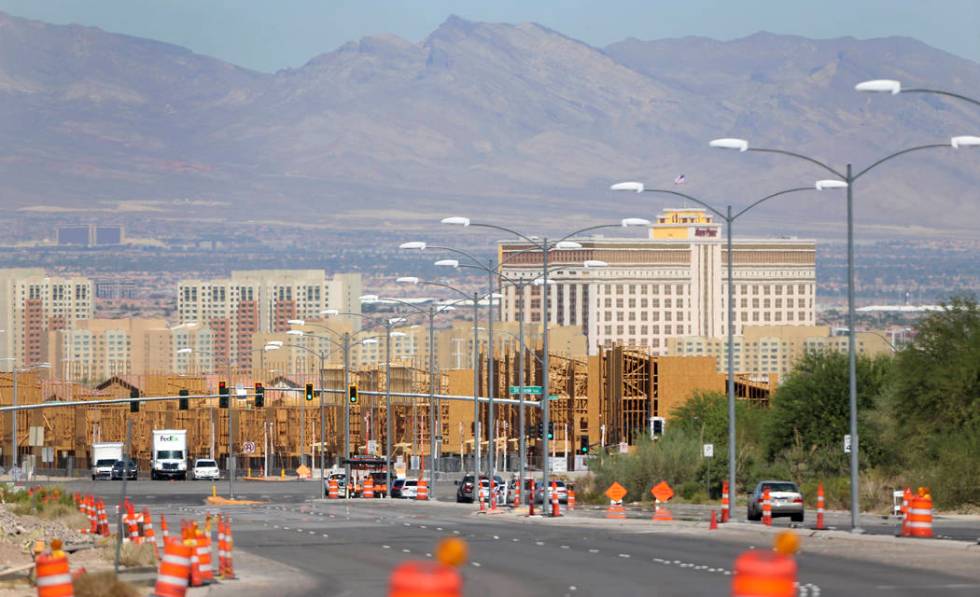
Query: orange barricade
(53, 575)
(724, 502)
(555, 504)
(204, 555)
(714, 521)
(333, 490)
(148, 532)
(368, 492)
(661, 513)
(920, 516)
(571, 498)
(760, 573)
(616, 510)
(820, 503)
(766, 508)
(422, 492)
(228, 572)
(425, 579)
(174, 571)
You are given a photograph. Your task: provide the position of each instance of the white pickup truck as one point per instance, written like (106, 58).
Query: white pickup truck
(169, 460)
(104, 455)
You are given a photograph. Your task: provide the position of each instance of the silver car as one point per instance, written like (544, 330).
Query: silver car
(784, 496)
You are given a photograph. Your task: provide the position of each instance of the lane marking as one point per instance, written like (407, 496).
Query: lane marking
(477, 564)
(624, 555)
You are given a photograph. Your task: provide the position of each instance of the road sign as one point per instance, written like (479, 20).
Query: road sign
(616, 492)
(847, 443)
(662, 491)
(709, 450)
(534, 390)
(624, 448)
(553, 397)
(240, 391)
(372, 446)
(248, 447)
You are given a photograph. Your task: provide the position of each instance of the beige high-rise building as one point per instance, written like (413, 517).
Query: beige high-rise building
(262, 301)
(670, 285)
(32, 304)
(97, 349)
(763, 350)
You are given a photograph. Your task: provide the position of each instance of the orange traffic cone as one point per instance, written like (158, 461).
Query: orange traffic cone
(724, 502)
(820, 502)
(714, 521)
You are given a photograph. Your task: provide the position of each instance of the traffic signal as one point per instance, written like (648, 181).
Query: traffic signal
(551, 430)
(259, 395)
(583, 444)
(222, 395)
(539, 430)
(352, 393)
(183, 403)
(657, 426)
(309, 391)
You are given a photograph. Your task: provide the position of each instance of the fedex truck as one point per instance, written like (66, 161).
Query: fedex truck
(169, 458)
(104, 455)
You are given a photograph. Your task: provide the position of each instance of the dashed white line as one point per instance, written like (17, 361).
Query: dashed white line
(624, 555)
(406, 550)
(477, 564)
(593, 550)
(539, 542)
(564, 547)
(385, 547)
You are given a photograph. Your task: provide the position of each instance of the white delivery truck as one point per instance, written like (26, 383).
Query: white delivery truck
(169, 458)
(104, 455)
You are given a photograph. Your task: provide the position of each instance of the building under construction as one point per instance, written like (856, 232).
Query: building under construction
(604, 400)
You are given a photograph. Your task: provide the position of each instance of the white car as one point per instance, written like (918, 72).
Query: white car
(410, 489)
(205, 468)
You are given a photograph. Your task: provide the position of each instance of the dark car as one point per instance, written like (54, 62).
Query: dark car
(128, 466)
(465, 490)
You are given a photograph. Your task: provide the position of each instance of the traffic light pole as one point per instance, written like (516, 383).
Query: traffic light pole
(347, 478)
(231, 454)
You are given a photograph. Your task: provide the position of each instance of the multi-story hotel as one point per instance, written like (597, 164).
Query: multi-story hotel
(97, 349)
(669, 285)
(760, 351)
(32, 304)
(260, 301)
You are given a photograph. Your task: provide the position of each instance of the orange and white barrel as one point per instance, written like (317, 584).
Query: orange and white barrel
(174, 571)
(920, 516)
(766, 508)
(53, 575)
(724, 501)
(422, 491)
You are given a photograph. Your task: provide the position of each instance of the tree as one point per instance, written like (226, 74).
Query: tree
(936, 387)
(811, 413)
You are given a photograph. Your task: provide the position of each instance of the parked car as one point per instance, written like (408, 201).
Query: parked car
(127, 467)
(560, 489)
(409, 489)
(465, 488)
(340, 478)
(785, 497)
(205, 468)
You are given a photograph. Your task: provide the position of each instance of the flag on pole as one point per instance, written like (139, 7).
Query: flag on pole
(681, 179)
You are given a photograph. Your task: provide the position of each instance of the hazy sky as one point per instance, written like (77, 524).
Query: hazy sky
(271, 34)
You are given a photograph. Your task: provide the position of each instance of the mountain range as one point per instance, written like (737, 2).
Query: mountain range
(504, 122)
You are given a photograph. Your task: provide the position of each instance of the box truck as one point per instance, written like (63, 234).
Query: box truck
(104, 455)
(169, 457)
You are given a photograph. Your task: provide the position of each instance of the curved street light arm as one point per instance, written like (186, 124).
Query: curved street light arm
(898, 153)
(686, 196)
(768, 197)
(509, 231)
(466, 254)
(802, 157)
(947, 93)
(446, 286)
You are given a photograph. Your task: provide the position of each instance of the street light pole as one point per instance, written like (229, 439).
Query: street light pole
(491, 380)
(346, 348)
(847, 179)
(546, 371)
(522, 456)
(13, 421)
(323, 430)
(388, 410)
(476, 385)
(432, 401)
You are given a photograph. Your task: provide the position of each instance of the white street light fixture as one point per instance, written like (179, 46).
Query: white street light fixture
(185, 350)
(415, 244)
(441, 308)
(274, 343)
(730, 143)
(408, 280)
(369, 298)
(565, 245)
(330, 312)
(627, 222)
(880, 86)
(456, 221)
(447, 263)
(296, 321)
(269, 347)
(295, 333)
(636, 187)
(540, 282)
(964, 141)
(592, 263)
(399, 335)
(369, 341)
(830, 183)
(396, 320)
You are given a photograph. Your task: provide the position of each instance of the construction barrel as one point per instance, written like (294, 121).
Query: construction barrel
(174, 571)
(428, 579)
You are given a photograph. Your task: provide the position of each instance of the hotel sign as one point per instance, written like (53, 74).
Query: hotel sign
(705, 232)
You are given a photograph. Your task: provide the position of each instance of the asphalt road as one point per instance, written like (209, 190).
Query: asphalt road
(350, 549)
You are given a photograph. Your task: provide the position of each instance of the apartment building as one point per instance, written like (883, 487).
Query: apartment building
(97, 349)
(763, 350)
(672, 284)
(32, 304)
(262, 301)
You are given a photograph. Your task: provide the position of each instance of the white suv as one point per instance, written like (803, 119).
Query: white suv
(205, 468)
